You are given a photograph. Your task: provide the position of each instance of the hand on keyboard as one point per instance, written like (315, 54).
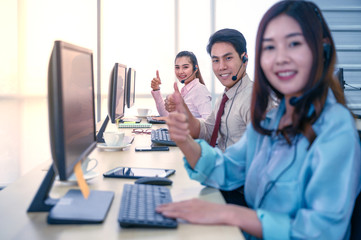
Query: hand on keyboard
(138, 204)
(155, 120)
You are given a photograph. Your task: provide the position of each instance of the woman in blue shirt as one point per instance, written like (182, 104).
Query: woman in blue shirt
(300, 163)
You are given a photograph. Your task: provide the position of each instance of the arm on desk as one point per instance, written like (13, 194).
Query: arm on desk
(202, 212)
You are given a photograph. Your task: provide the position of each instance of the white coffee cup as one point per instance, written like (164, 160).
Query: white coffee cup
(114, 138)
(88, 165)
(143, 111)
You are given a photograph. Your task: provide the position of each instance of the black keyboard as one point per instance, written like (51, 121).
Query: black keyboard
(137, 208)
(155, 121)
(161, 136)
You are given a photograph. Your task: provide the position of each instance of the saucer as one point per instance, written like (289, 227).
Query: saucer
(88, 176)
(106, 147)
(142, 116)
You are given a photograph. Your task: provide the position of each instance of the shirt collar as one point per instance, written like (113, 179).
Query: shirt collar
(189, 86)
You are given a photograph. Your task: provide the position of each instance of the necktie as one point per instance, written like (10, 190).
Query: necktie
(218, 120)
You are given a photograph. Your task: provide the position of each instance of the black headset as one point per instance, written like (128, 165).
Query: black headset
(244, 60)
(194, 71)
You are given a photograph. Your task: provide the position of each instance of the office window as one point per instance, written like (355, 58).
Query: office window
(245, 17)
(8, 48)
(29, 28)
(139, 34)
(194, 30)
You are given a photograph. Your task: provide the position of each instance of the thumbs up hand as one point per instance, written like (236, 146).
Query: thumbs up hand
(177, 120)
(156, 82)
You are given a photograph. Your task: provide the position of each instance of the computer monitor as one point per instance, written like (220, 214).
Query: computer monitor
(71, 124)
(116, 97)
(70, 106)
(117, 92)
(130, 96)
(339, 75)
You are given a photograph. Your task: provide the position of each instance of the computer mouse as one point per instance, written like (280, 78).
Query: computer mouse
(154, 181)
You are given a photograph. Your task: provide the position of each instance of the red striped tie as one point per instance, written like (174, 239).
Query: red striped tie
(218, 120)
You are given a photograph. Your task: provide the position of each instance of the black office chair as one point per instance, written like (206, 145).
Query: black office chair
(356, 220)
(356, 215)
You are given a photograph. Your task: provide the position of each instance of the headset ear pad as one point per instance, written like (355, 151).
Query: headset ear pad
(244, 59)
(327, 51)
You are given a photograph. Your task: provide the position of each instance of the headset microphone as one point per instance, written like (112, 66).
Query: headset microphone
(244, 59)
(184, 80)
(234, 78)
(295, 100)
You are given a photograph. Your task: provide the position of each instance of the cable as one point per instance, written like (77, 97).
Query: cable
(229, 111)
(271, 184)
(351, 86)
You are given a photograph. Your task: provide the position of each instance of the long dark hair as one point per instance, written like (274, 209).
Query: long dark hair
(319, 39)
(194, 62)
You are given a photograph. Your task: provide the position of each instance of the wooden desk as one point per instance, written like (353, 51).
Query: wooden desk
(15, 199)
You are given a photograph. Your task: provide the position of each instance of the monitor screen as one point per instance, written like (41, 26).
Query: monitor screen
(71, 106)
(116, 96)
(339, 75)
(130, 87)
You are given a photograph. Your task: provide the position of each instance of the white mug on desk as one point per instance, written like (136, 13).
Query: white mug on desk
(114, 138)
(143, 111)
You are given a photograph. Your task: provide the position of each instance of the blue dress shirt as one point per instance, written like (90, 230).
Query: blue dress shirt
(298, 193)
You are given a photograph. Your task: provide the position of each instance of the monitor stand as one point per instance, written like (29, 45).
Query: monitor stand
(72, 208)
(100, 138)
(101, 131)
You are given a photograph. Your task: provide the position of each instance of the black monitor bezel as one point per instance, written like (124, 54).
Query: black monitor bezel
(131, 86)
(112, 92)
(56, 110)
(338, 72)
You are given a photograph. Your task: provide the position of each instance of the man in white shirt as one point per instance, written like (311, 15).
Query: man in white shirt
(228, 51)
